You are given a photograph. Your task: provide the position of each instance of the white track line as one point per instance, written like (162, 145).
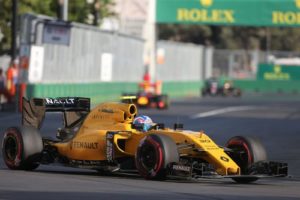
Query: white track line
(222, 111)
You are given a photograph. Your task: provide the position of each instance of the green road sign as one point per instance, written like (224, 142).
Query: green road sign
(278, 72)
(229, 12)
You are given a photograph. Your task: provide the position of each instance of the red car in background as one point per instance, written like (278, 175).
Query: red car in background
(148, 96)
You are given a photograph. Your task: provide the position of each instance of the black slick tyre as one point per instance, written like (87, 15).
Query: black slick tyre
(154, 155)
(246, 151)
(21, 148)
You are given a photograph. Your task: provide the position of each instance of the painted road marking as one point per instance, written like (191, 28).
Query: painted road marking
(222, 111)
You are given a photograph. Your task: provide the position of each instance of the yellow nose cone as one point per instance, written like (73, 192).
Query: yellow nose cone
(233, 171)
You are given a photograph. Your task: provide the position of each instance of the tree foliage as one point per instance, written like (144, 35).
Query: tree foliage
(233, 37)
(78, 11)
(222, 37)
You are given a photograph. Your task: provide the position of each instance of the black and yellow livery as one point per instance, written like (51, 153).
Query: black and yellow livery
(104, 139)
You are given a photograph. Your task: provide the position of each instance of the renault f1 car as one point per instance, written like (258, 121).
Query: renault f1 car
(105, 139)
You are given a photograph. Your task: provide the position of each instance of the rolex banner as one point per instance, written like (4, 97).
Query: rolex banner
(229, 12)
(271, 72)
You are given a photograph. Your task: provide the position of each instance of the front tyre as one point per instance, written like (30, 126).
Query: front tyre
(154, 155)
(21, 148)
(246, 151)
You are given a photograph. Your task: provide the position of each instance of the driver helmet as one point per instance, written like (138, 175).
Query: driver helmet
(143, 122)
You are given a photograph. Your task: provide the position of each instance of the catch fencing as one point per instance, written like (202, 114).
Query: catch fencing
(81, 60)
(181, 62)
(243, 64)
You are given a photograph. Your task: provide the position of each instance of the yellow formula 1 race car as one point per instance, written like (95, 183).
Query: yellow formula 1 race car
(106, 139)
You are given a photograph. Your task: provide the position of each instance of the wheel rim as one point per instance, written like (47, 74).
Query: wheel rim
(148, 157)
(11, 148)
(243, 158)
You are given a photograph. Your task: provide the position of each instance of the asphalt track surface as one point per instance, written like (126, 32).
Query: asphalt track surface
(274, 119)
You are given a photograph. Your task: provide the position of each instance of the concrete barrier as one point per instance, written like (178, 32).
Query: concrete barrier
(268, 86)
(108, 91)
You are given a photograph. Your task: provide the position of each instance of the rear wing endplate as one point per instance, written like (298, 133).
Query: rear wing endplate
(33, 110)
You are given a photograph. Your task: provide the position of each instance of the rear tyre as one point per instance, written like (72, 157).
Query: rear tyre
(246, 151)
(163, 102)
(21, 148)
(155, 154)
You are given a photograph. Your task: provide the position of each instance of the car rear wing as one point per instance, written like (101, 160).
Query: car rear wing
(33, 110)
